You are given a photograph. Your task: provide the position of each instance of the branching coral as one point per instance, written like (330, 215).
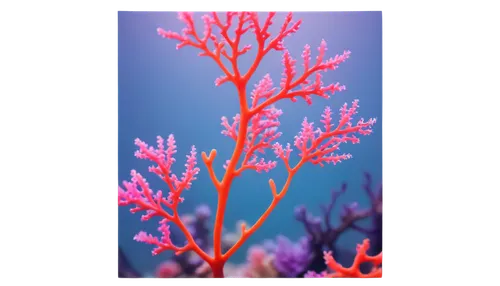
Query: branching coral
(354, 270)
(189, 264)
(254, 128)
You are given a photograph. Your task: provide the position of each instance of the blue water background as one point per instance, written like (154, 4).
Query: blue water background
(163, 90)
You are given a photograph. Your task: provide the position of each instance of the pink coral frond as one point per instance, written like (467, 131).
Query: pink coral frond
(306, 56)
(261, 134)
(289, 71)
(319, 146)
(137, 192)
(294, 86)
(277, 42)
(164, 158)
(221, 80)
(189, 37)
(263, 90)
(162, 244)
(304, 136)
(261, 165)
(139, 195)
(284, 154)
(230, 130)
(317, 87)
(191, 171)
(245, 21)
(327, 118)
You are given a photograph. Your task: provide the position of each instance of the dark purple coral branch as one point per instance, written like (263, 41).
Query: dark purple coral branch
(187, 263)
(323, 235)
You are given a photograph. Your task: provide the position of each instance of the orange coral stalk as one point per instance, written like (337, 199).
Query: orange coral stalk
(253, 129)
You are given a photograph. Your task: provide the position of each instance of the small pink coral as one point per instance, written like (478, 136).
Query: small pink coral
(259, 263)
(168, 269)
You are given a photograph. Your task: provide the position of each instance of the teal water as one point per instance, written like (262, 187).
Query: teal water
(163, 90)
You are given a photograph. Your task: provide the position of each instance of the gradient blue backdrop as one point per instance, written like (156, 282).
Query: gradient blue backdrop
(163, 90)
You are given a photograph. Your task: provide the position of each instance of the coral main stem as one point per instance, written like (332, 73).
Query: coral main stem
(224, 186)
(218, 270)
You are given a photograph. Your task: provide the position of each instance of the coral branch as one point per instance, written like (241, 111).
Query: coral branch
(319, 146)
(137, 192)
(162, 244)
(327, 210)
(261, 133)
(329, 235)
(288, 84)
(377, 271)
(209, 163)
(189, 37)
(326, 236)
(276, 198)
(262, 34)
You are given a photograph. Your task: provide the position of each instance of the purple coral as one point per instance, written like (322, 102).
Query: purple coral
(375, 233)
(323, 235)
(197, 225)
(291, 259)
(199, 228)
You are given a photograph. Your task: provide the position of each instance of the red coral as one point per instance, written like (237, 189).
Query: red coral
(353, 271)
(254, 128)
